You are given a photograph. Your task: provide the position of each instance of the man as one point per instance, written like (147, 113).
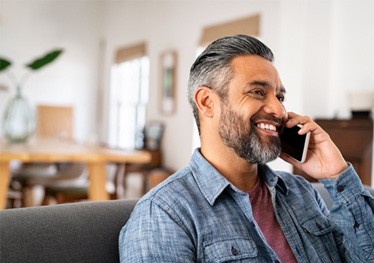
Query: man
(227, 204)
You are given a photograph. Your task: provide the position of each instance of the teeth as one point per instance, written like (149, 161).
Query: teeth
(267, 126)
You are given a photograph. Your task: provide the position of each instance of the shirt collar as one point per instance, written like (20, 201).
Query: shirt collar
(272, 178)
(212, 183)
(209, 180)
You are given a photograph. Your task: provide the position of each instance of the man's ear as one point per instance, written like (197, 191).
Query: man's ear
(204, 99)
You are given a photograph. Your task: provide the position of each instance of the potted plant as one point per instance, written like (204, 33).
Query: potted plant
(18, 120)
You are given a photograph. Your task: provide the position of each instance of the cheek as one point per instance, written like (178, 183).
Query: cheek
(251, 110)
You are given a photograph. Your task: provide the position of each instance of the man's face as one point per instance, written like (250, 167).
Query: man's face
(253, 112)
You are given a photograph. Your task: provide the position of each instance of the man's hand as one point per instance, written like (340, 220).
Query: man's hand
(324, 159)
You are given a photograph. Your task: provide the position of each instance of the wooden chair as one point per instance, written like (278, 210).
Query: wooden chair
(53, 122)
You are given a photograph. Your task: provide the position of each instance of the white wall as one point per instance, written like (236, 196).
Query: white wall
(353, 55)
(29, 29)
(176, 25)
(323, 50)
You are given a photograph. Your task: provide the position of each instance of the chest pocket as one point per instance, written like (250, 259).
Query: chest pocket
(317, 225)
(230, 250)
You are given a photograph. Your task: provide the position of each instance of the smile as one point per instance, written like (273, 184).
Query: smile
(266, 126)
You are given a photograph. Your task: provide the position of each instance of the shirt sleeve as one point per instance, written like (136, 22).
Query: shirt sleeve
(352, 213)
(154, 234)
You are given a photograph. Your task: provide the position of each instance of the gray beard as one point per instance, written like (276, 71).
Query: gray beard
(246, 142)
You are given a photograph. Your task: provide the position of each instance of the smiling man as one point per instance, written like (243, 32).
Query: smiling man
(227, 204)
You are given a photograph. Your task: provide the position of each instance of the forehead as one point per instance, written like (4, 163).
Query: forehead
(252, 67)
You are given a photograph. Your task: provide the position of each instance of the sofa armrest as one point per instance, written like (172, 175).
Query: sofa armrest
(76, 232)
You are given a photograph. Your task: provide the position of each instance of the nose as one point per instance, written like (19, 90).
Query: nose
(276, 108)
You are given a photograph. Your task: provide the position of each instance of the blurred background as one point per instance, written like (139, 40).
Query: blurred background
(324, 51)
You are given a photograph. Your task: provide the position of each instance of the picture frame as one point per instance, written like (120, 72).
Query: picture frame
(168, 82)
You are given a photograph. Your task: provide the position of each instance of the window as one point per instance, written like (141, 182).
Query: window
(128, 96)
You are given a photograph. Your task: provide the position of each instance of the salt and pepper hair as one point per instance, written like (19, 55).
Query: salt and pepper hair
(212, 68)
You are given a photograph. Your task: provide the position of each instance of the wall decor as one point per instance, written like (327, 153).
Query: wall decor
(168, 81)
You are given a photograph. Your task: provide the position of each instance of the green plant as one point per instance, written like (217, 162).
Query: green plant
(35, 65)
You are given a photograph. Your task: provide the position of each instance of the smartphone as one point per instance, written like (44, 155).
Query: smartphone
(294, 144)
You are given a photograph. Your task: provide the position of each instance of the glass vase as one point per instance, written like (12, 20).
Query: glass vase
(19, 121)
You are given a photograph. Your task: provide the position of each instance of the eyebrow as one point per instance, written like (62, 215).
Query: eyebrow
(265, 84)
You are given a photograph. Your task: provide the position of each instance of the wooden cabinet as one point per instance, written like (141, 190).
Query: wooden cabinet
(354, 138)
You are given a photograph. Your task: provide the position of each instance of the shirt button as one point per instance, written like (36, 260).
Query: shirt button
(234, 251)
(340, 188)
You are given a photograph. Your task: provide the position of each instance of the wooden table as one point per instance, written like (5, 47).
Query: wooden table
(51, 150)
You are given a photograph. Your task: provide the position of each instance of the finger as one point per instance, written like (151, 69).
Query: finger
(295, 119)
(292, 114)
(309, 126)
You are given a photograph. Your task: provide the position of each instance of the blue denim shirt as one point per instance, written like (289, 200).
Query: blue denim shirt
(196, 215)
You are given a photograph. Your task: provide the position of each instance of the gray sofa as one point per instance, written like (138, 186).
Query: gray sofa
(77, 232)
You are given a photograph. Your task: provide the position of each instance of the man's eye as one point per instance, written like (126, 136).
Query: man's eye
(259, 92)
(281, 98)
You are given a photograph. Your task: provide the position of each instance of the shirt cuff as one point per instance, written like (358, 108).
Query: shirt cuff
(346, 188)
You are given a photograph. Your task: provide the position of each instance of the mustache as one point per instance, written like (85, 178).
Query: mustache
(268, 117)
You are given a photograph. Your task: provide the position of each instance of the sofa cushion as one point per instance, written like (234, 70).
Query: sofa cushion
(77, 232)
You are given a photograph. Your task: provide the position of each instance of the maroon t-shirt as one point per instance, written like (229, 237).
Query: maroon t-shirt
(263, 212)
